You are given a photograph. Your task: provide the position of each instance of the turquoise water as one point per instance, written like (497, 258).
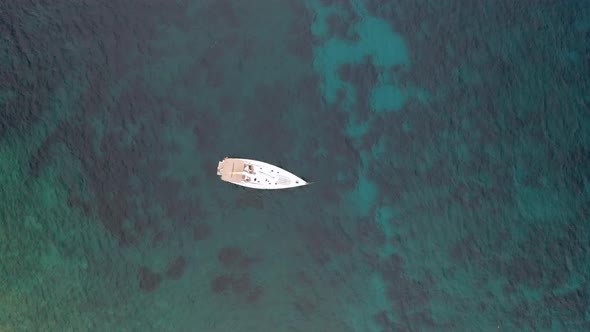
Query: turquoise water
(448, 143)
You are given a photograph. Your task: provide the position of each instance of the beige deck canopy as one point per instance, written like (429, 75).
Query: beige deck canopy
(231, 170)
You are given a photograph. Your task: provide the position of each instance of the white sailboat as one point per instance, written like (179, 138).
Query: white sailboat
(257, 174)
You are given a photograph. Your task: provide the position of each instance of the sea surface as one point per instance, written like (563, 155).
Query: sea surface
(448, 143)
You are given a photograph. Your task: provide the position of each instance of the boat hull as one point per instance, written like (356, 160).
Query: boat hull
(257, 174)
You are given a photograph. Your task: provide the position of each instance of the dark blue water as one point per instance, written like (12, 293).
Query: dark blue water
(448, 143)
